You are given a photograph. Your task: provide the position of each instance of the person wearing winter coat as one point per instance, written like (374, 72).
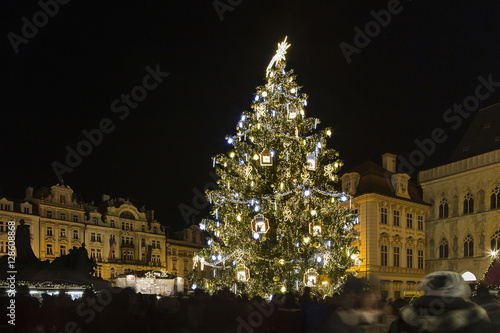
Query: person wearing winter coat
(444, 308)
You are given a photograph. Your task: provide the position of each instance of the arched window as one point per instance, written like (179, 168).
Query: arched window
(495, 241)
(468, 204)
(127, 215)
(444, 209)
(468, 246)
(443, 249)
(495, 198)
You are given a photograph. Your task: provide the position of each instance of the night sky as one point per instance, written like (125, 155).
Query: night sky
(65, 78)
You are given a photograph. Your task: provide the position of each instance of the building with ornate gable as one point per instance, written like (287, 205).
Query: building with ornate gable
(390, 225)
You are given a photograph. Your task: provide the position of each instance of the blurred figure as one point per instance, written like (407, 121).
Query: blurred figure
(443, 308)
(490, 304)
(370, 315)
(346, 318)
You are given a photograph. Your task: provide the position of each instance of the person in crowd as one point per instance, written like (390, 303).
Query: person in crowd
(489, 303)
(444, 308)
(289, 317)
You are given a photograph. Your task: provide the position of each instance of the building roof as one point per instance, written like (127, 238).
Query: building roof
(482, 136)
(375, 179)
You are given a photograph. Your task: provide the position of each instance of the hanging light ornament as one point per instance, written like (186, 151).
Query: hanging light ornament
(311, 277)
(312, 162)
(315, 229)
(292, 112)
(260, 224)
(242, 273)
(265, 158)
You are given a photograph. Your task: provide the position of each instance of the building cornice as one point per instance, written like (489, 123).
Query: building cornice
(475, 163)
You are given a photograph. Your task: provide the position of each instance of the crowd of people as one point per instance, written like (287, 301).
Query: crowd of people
(446, 307)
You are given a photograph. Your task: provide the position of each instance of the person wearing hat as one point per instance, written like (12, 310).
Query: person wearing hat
(443, 308)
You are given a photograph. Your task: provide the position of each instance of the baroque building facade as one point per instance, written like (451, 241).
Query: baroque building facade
(120, 237)
(390, 225)
(463, 224)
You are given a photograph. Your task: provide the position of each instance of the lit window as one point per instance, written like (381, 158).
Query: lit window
(396, 257)
(409, 258)
(468, 246)
(383, 255)
(495, 241)
(383, 215)
(468, 204)
(409, 220)
(420, 259)
(495, 198)
(396, 218)
(444, 209)
(443, 249)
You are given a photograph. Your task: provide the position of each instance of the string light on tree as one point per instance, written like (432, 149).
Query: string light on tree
(277, 203)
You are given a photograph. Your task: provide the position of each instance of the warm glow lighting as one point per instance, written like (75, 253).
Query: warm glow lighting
(329, 133)
(231, 154)
(306, 240)
(283, 289)
(256, 157)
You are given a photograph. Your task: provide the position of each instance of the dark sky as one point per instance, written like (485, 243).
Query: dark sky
(64, 79)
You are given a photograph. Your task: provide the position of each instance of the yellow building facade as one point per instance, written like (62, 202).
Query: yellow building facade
(390, 225)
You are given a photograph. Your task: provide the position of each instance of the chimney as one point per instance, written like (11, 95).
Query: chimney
(29, 193)
(389, 162)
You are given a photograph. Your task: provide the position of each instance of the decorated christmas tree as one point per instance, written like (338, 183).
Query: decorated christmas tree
(277, 222)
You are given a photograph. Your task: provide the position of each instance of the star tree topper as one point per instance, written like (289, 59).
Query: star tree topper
(280, 55)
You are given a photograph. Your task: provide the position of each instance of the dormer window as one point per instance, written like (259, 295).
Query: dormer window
(400, 185)
(350, 183)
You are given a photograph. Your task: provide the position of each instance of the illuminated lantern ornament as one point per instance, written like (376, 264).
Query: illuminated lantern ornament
(292, 112)
(260, 224)
(311, 278)
(315, 229)
(266, 158)
(311, 162)
(242, 273)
